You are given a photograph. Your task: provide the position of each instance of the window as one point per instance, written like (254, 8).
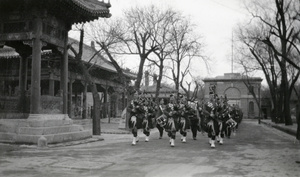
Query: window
(251, 107)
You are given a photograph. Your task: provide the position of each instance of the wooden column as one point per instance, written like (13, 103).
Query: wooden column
(105, 108)
(51, 85)
(84, 102)
(64, 76)
(70, 110)
(35, 99)
(23, 82)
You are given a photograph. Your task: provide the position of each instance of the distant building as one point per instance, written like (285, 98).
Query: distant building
(233, 85)
(149, 90)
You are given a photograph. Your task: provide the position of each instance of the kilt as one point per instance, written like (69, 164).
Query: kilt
(184, 123)
(172, 124)
(135, 121)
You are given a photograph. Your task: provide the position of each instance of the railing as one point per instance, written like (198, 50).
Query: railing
(49, 104)
(9, 104)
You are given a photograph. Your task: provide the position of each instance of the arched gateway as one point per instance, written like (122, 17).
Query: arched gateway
(236, 88)
(31, 26)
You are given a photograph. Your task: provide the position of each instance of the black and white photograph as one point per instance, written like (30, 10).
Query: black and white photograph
(149, 88)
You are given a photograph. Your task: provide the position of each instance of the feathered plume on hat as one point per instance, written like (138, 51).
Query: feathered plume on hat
(225, 98)
(212, 89)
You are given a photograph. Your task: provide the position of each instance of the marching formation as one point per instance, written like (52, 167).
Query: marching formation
(178, 115)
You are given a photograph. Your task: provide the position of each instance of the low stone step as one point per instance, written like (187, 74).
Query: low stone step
(87, 127)
(54, 138)
(7, 137)
(82, 121)
(49, 130)
(7, 141)
(11, 125)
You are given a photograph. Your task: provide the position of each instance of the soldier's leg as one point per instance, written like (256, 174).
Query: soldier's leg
(183, 133)
(194, 128)
(161, 131)
(134, 133)
(222, 132)
(147, 133)
(172, 136)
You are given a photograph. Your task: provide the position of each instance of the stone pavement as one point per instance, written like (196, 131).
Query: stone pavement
(108, 126)
(289, 129)
(112, 126)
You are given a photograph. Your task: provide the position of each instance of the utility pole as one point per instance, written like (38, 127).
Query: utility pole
(231, 51)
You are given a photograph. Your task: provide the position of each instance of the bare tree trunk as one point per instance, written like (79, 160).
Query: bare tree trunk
(96, 99)
(89, 80)
(158, 82)
(137, 84)
(96, 110)
(298, 120)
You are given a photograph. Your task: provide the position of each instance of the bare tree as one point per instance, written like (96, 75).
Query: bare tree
(162, 21)
(110, 36)
(140, 24)
(253, 56)
(91, 83)
(186, 47)
(278, 34)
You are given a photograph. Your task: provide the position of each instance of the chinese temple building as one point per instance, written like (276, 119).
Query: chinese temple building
(38, 32)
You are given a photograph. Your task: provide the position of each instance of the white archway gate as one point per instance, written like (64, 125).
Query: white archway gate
(233, 95)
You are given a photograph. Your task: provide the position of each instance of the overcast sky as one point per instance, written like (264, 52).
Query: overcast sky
(215, 20)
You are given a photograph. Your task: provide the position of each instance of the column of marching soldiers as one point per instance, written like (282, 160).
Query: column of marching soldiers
(214, 117)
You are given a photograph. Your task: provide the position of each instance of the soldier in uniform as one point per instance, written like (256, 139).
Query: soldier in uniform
(161, 119)
(172, 125)
(136, 114)
(222, 117)
(148, 120)
(230, 123)
(210, 113)
(202, 118)
(192, 114)
(237, 115)
(139, 114)
(185, 112)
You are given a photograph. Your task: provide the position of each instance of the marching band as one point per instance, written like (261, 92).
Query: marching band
(215, 117)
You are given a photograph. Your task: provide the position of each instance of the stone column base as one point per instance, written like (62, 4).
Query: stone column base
(56, 128)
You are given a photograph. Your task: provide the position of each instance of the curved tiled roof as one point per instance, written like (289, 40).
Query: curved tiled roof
(93, 7)
(80, 11)
(164, 88)
(70, 11)
(88, 53)
(8, 52)
(99, 60)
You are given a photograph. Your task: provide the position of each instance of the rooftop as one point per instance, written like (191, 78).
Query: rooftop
(88, 52)
(232, 77)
